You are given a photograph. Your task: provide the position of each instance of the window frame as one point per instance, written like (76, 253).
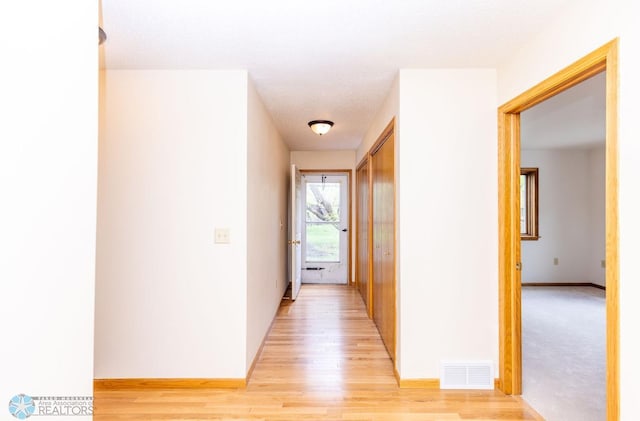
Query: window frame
(532, 233)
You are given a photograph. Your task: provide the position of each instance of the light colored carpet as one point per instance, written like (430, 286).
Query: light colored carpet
(563, 352)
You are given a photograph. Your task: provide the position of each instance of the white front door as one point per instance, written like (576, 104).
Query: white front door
(325, 236)
(295, 232)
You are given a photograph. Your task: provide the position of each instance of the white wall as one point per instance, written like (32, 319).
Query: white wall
(173, 167)
(571, 216)
(333, 160)
(597, 222)
(390, 108)
(448, 249)
(629, 209)
(48, 173)
(575, 32)
(324, 160)
(267, 177)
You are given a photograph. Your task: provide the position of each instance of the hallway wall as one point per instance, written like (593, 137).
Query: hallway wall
(324, 160)
(267, 184)
(448, 244)
(173, 167)
(390, 109)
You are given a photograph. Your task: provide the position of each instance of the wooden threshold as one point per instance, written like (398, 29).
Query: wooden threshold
(530, 409)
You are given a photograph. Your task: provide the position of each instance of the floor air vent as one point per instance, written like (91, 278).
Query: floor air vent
(466, 375)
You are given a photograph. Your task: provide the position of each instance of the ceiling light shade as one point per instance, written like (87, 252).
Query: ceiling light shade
(320, 126)
(102, 36)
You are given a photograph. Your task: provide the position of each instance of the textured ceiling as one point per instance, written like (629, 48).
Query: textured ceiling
(575, 118)
(334, 59)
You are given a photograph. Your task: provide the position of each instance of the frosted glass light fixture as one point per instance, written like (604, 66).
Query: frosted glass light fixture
(320, 126)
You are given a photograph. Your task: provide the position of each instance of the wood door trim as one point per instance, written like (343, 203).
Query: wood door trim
(356, 278)
(364, 164)
(364, 161)
(350, 280)
(386, 133)
(579, 71)
(604, 58)
(370, 232)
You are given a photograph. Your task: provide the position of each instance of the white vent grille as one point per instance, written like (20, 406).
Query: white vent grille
(466, 375)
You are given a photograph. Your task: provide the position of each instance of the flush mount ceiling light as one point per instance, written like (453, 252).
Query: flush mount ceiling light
(320, 126)
(102, 36)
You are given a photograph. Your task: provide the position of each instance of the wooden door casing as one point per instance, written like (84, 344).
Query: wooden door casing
(363, 234)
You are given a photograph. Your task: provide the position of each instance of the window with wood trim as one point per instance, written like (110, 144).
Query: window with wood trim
(529, 204)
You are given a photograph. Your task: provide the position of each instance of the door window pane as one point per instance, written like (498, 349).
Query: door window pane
(323, 222)
(529, 204)
(323, 242)
(323, 202)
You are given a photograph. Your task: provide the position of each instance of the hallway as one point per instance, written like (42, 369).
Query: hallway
(323, 342)
(323, 359)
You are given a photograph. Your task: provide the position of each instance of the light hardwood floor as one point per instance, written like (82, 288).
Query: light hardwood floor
(323, 360)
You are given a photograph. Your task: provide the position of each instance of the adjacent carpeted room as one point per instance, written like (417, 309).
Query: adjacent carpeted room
(563, 352)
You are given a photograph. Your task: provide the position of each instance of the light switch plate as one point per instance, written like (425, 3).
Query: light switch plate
(222, 236)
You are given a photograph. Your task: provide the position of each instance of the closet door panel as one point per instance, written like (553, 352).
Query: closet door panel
(384, 273)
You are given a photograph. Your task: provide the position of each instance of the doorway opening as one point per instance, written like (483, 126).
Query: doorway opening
(562, 208)
(510, 263)
(325, 227)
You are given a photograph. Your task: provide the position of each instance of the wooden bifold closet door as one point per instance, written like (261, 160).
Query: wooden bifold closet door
(375, 236)
(383, 240)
